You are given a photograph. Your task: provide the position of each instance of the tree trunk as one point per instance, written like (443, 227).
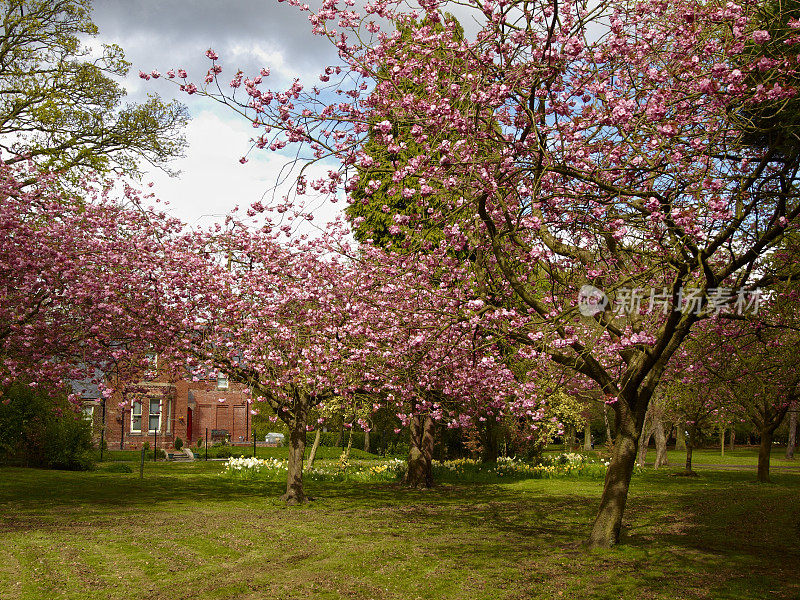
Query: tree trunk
(689, 440)
(297, 446)
(488, 434)
(680, 436)
(764, 451)
(792, 432)
(644, 441)
(313, 455)
(366, 440)
(420, 454)
(733, 439)
(609, 437)
(587, 438)
(349, 445)
(722, 440)
(608, 523)
(661, 441)
(340, 437)
(689, 448)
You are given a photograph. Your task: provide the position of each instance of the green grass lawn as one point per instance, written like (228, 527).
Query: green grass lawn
(185, 532)
(739, 456)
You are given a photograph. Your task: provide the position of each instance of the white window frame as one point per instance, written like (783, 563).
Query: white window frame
(88, 412)
(151, 414)
(133, 415)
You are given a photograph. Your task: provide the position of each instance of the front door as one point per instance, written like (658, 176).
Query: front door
(189, 424)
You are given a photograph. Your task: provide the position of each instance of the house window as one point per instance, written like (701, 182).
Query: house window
(136, 417)
(222, 382)
(155, 415)
(88, 412)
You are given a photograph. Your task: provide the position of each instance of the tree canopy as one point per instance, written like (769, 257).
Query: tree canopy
(60, 102)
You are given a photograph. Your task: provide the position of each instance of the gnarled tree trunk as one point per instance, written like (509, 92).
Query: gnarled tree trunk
(587, 438)
(297, 446)
(608, 523)
(420, 454)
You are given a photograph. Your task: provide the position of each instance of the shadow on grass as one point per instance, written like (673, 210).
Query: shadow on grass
(717, 536)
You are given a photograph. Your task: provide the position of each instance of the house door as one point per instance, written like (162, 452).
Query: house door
(189, 424)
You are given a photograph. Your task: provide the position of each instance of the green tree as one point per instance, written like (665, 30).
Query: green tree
(39, 427)
(59, 103)
(775, 123)
(383, 202)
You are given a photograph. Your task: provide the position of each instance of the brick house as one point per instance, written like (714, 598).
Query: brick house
(162, 408)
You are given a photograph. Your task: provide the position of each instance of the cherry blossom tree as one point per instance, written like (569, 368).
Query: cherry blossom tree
(589, 151)
(63, 263)
(307, 328)
(752, 366)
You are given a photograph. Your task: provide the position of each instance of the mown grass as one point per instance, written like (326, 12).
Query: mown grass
(185, 532)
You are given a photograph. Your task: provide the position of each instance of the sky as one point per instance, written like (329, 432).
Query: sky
(246, 34)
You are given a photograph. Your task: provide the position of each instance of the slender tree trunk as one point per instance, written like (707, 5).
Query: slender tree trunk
(733, 439)
(792, 432)
(661, 441)
(764, 451)
(366, 440)
(690, 442)
(297, 446)
(349, 445)
(644, 440)
(722, 440)
(608, 523)
(313, 455)
(689, 449)
(420, 454)
(587, 438)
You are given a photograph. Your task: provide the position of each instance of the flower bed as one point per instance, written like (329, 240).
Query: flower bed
(365, 471)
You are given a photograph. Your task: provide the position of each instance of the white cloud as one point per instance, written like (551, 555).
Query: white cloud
(213, 181)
